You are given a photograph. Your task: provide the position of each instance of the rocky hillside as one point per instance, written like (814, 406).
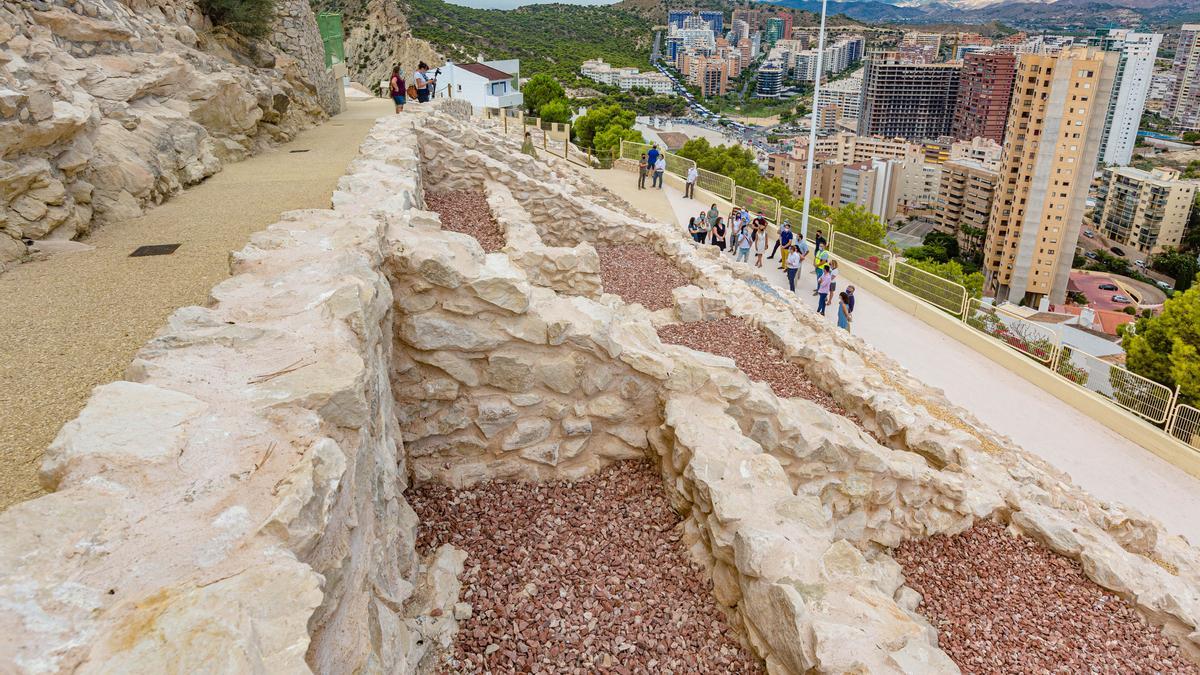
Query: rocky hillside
(108, 107)
(378, 38)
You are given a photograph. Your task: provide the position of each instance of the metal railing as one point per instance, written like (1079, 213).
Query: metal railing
(1137, 394)
(756, 202)
(679, 165)
(941, 293)
(1029, 338)
(1185, 424)
(721, 186)
(633, 150)
(874, 259)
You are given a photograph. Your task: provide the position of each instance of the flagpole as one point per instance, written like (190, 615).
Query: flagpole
(812, 130)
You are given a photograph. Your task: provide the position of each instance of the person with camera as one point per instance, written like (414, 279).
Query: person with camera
(425, 82)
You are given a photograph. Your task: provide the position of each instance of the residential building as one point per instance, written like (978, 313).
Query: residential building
(845, 95)
(714, 20)
(964, 200)
(983, 150)
(1161, 86)
(773, 30)
(1145, 211)
(1183, 103)
(983, 95)
(769, 80)
(1051, 147)
(937, 150)
(488, 84)
(1134, 73)
(838, 57)
(910, 100)
(847, 147)
(753, 17)
(626, 78)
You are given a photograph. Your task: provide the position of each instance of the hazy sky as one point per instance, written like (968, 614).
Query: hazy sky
(510, 4)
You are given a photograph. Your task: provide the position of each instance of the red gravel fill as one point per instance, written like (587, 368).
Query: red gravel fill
(1005, 604)
(578, 577)
(467, 211)
(638, 274)
(735, 338)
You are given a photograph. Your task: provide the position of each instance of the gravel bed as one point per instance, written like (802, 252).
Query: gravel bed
(578, 577)
(467, 211)
(638, 274)
(1008, 604)
(735, 338)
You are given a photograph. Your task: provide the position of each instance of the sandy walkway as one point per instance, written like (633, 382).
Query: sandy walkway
(74, 321)
(1099, 460)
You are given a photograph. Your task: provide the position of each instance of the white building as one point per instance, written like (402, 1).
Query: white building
(488, 84)
(838, 57)
(845, 94)
(626, 78)
(1132, 86)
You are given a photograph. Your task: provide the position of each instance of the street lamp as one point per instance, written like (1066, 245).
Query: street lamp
(812, 126)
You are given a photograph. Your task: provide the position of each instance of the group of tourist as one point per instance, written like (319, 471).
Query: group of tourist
(743, 233)
(422, 87)
(653, 162)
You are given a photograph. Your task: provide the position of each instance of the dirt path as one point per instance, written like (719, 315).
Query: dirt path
(74, 321)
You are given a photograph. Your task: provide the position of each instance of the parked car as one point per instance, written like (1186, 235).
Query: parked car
(1117, 251)
(1090, 255)
(1163, 285)
(1089, 234)
(1122, 299)
(1139, 263)
(1108, 287)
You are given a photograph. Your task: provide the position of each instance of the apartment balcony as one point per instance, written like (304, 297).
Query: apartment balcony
(512, 99)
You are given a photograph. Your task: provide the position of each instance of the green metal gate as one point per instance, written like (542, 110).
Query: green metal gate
(330, 26)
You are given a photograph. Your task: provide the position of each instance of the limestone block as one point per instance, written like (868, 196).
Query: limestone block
(511, 371)
(431, 331)
(527, 431)
(125, 425)
(495, 415)
(502, 284)
(546, 452)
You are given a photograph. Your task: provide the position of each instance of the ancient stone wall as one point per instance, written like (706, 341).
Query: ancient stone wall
(295, 33)
(252, 468)
(110, 107)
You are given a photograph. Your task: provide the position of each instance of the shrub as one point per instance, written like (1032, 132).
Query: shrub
(251, 18)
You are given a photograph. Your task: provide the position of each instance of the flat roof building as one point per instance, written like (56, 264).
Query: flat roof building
(906, 99)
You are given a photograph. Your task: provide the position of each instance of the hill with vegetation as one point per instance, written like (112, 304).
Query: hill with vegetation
(552, 38)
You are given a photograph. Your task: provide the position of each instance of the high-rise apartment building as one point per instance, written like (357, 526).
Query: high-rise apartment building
(906, 99)
(1143, 210)
(964, 200)
(845, 95)
(1052, 143)
(769, 80)
(714, 20)
(983, 95)
(774, 30)
(1183, 103)
(1135, 70)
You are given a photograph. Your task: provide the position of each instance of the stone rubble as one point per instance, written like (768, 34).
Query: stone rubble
(108, 107)
(467, 212)
(578, 577)
(253, 470)
(639, 275)
(1003, 603)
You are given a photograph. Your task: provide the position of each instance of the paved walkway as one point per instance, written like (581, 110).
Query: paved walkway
(1101, 461)
(74, 321)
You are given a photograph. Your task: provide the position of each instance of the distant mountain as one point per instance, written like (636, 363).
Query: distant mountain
(1028, 14)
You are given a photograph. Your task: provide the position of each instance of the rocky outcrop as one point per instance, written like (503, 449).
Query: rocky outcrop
(378, 39)
(108, 107)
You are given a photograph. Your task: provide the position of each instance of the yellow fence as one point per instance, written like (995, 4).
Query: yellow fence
(1185, 424)
(941, 293)
(721, 186)
(756, 202)
(1127, 389)
(1032, 339)
(874, 259)
(679, 165)
(634, 151)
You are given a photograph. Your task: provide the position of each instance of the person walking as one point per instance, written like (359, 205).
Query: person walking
(718, 234)
(396, 88)
(784, 241)
(422, 80)
(660, 167)
(689, 188)
(846, 308)
(643, 169)
(745, 239)
(823, 293)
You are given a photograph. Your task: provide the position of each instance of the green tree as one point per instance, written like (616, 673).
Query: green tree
(930, 252)
(856, 221)
(608, 141)
(953, 271)
(540, 90)
(1191, 137)
(600, 118)
(559, 110)
(1164, 348)
(1182, 267)
(947, 242)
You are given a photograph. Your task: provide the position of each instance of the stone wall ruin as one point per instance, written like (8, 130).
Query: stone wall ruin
(260, 448)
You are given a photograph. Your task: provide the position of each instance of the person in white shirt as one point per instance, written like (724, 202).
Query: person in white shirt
(660, 167)
(422, 81)
(689, 189)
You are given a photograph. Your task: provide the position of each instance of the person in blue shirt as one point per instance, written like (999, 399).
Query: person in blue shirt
(784, 240)
(652, 156)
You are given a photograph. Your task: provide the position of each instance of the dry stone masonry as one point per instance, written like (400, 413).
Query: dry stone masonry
(241, 499)
(108, 107)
